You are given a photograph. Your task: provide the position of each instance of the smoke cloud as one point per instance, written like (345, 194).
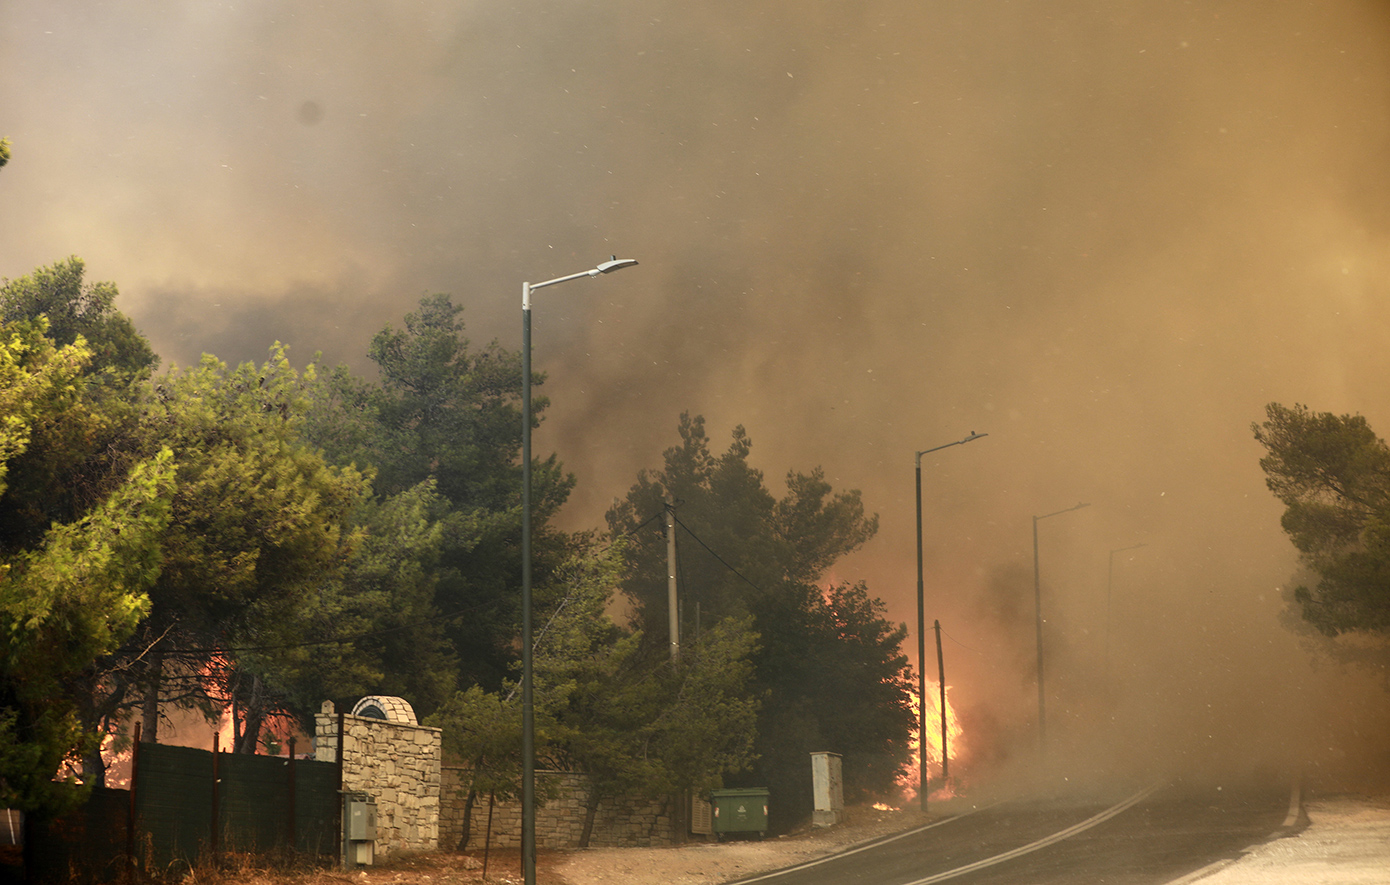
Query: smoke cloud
(1105, 234)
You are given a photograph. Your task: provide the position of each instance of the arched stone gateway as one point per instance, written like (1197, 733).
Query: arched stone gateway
(386, 707)
(396, 761)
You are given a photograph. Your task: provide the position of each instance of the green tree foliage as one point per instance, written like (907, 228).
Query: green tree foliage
(606, 706)
(386, 605)
(69, 466)
(73, 307)
(620, 712)
(79, 589)
(449, 414)
(1333, 475)
(829, 667)
(255, 552)
(482, 729)
(274, 575)
(833, 676)
(4, 151)
(749, 542)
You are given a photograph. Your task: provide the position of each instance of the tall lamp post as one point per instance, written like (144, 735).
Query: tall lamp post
(528, 723)
(1109, 582)
(922, 631)
(1037, 601)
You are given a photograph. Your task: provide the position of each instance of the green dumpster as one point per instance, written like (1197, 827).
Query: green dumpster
(739, 811)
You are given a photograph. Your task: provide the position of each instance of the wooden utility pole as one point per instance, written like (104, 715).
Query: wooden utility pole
(941, 678)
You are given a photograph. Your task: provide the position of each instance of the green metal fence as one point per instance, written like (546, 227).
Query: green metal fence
(192, 805)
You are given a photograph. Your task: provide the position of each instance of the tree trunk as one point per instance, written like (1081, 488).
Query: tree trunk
(246, 728)
(467, 819)
(149, 710)
(94, 767)
(590, 812)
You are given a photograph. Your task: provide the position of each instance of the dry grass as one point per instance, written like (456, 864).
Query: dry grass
(434, 868)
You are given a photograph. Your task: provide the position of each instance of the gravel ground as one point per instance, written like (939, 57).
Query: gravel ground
(1347, 842)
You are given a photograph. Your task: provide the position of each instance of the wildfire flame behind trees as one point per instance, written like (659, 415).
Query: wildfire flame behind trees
(282, 576)
(255, 534)
(956, 748)
(829, 668)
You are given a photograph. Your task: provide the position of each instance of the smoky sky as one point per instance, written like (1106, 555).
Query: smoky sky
(1105, 234)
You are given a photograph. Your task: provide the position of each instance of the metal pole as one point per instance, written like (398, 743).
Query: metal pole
(921, 655)
(216, 841)
(131, 808)
(528, 748)
(528, 728)
(293, 789)
(1037, 608)
(1037, 603)
(922, 629)
(1109, 581)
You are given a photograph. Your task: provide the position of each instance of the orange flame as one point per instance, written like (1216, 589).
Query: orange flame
(908, 781)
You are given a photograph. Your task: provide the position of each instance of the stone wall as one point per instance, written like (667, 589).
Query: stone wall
(624, 823)
(398, 765)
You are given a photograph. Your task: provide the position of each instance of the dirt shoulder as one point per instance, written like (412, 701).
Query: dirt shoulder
(696, 863)
(706, 863)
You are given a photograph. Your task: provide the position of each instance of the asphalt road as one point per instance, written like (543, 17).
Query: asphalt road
(1146, 837)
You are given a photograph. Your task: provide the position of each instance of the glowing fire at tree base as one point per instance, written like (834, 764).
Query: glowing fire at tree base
(909, 779)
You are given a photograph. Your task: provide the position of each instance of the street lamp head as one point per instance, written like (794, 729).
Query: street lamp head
(614, 263)
(971, 438)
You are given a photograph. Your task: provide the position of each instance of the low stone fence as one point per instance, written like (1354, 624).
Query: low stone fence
(397, 763)
(622, 823)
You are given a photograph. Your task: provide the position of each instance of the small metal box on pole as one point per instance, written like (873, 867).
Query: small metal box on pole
(828, 788)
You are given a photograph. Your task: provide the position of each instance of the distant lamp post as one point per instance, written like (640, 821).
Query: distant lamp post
(1037, 601)
(1109, 582)
(922, 630)
(528, 724)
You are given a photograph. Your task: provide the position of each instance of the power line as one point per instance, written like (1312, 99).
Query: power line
(961, 644)
(716, 555)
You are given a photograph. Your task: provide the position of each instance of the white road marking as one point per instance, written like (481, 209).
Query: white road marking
(872, 843)
(1041, 843)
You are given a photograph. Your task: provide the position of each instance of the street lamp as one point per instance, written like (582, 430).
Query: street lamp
(922, 634)
(1109, 581)
(1037, 601)
(528, 725)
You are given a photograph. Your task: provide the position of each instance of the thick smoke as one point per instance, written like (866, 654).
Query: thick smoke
(1106, 234)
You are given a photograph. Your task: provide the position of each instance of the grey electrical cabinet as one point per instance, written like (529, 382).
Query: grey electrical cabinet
(359, 830)
(361, 821)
